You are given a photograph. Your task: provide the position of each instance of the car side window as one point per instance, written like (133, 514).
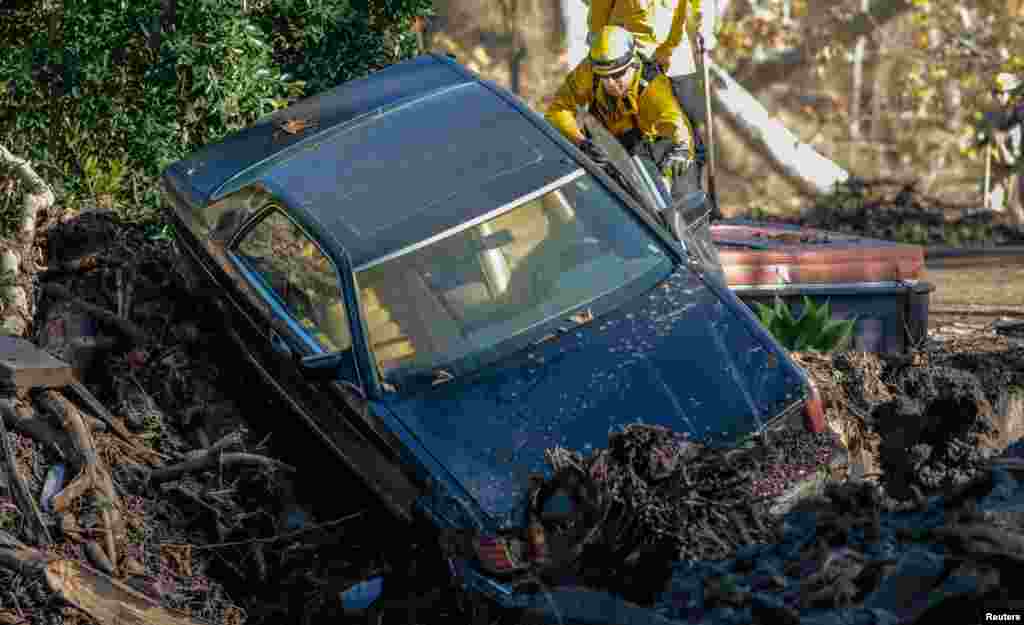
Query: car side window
(300, 276)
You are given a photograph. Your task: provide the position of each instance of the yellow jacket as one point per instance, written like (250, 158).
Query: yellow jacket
(637, 16)
(654, 111)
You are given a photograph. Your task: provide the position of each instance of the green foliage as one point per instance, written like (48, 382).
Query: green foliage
(102, 96)
(324, 43)
(814, 330)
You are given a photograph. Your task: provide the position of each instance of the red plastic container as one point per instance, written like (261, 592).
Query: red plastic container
(876, 282)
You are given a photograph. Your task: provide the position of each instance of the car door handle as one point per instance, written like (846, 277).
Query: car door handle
(279, 345)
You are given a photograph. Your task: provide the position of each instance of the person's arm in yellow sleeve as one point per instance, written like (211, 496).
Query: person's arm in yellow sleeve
(663, 53)
(600, 13)
(669, 120)
(576, 91)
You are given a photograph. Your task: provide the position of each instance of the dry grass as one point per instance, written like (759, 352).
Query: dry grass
(990, 285)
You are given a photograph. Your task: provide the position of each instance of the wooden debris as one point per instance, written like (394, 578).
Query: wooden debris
(22, 496)
(106, 600)
(24, 366)
(98, 558)
(129, 330)
(92, 474)
(100, 411)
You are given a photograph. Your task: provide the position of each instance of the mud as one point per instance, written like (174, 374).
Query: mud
(932, 431)
(930, 419)
(655, 497)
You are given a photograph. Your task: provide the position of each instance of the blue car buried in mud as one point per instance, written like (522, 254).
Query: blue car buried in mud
(442, 287)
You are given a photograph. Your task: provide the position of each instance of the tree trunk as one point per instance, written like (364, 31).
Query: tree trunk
(757, 76)
(879, 95)
(857, 92)
(795, 160)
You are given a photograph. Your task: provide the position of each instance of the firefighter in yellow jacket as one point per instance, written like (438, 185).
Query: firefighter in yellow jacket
(634, 103)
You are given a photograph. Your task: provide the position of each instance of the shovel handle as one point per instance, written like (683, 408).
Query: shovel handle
(716, 213)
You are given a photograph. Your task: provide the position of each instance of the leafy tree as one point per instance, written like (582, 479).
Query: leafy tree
(107, 94)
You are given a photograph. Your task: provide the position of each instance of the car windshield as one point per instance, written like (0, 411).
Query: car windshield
(446, 306)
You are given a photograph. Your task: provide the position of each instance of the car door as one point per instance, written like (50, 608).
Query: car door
(294, 293)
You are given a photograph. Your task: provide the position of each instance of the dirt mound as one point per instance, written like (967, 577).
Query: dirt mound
(927, 420)
(931, 433)
(654, 486)
(654, 497)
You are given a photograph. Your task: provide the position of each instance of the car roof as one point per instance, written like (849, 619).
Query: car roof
(394, 158)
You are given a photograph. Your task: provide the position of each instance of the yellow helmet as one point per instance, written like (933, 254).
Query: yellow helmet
(612, 50)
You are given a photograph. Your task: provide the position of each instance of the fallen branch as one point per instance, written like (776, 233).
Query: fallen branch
(213, 458)
(106, 600)
(22, 496)
(129, 330)
(38, 195)
(97, 408)
(92, 476)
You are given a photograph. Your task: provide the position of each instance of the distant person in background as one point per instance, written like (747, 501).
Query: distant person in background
(1005, 129)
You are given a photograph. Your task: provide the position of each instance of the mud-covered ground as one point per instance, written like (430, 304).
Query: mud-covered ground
(895, 210)
(254, 544)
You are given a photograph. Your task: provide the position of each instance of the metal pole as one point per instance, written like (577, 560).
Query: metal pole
(716, 213)
(986, 201)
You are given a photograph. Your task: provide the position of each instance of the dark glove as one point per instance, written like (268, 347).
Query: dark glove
(676, 161)
(595, 153)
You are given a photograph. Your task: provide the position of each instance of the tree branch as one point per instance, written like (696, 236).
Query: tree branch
(93, 474)
(38, 196)
(757, 76)
(214, 458)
